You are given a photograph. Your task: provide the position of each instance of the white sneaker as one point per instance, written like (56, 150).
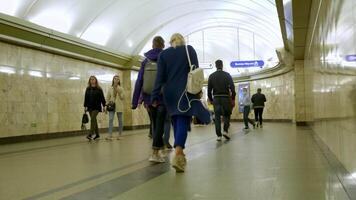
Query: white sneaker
(156, 159)
(218, 139)
(163, 153)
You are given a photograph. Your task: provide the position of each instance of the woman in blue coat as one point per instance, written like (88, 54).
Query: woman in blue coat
(172, 74)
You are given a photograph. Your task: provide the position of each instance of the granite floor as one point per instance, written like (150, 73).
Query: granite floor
(280, 161)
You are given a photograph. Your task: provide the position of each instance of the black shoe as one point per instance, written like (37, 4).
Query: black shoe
(246, 128)
(96, 137)
(254, 126)
(89, 137)
(169, 146)
(257, 125)
(226, 135)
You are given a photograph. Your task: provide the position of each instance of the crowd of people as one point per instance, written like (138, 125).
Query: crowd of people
(160, 86)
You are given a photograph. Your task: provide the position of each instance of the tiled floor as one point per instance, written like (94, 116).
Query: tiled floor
(279, 161)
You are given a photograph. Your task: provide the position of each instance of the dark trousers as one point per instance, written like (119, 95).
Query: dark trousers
(258, 115)
(158, 119)
(246, 119)
(151, 124)
(222, 107)
(93, 122)
(181, 126)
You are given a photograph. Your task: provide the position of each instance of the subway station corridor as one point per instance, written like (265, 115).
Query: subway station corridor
(280, 161)
(97, 97)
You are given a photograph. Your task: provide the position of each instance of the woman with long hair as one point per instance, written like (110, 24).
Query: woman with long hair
(172, 76)
(115, 97)
(94, 102)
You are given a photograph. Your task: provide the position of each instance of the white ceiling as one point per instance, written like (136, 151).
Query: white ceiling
(129, 25)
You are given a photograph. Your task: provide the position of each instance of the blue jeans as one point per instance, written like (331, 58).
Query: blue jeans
(181, 125)
(246, 119)
(111, 121)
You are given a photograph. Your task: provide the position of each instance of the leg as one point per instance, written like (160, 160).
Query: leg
(256, 114)
(151, 124)
(181, 124)
(159, 128)
(153, 116)
(167, 130)
(111, 122)
(94, 123)
(218, 113)
(260, 115)
(121, 125)
(227, 110)
(245, 115)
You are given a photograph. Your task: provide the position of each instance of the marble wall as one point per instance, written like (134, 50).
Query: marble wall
(279, 92)
(43, 93)
(331, 85)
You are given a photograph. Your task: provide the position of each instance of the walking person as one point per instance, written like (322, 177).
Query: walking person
(246, 103)
(94, 102)
(143, 87)
(258, 102)
(115, 97)
(221, 91)
(172, 75)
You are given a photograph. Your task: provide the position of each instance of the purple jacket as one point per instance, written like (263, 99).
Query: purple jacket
(138, 94)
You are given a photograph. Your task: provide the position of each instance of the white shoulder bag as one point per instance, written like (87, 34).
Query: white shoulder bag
(194, 83)
(195, 77)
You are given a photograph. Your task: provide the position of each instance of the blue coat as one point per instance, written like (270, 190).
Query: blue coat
(172, 74)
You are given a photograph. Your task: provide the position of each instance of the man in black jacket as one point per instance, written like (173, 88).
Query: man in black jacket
(221, 86)
(258, 101)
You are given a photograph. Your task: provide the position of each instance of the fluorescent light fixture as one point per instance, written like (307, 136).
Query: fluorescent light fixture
(98, 34)
(9, 7)
(56, 19)
(74, 78)
(129, 43)
(105, 77)
(35, 73)
(7, 70)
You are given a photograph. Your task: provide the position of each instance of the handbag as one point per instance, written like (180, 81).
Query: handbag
(110, 106)
(85, 118)
(195, 77)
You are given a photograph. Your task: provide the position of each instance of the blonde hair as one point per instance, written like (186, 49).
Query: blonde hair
(177, 39)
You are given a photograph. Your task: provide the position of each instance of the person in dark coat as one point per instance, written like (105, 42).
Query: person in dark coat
(94, 102)
(258, 102)
(172, 74)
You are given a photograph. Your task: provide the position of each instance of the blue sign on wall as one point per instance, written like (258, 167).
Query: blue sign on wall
(247, 63)
(350, 58)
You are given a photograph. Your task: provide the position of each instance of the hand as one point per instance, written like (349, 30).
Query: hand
(85, 109)
(233, 103)
(155, 104)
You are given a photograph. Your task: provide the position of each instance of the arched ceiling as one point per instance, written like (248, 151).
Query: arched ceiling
(128, 26)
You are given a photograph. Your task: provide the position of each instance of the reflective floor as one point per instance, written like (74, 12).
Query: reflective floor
(279, 161)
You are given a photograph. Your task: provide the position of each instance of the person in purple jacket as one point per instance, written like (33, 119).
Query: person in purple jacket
(157, 114)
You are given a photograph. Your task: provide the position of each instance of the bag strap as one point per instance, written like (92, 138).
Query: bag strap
(190, 63)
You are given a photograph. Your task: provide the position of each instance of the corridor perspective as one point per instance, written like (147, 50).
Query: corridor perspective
(178, 99)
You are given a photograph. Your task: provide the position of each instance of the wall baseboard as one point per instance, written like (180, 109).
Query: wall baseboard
(46, 136)
(265, 120)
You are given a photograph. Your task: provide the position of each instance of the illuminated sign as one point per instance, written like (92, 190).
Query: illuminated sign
(247, 63)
